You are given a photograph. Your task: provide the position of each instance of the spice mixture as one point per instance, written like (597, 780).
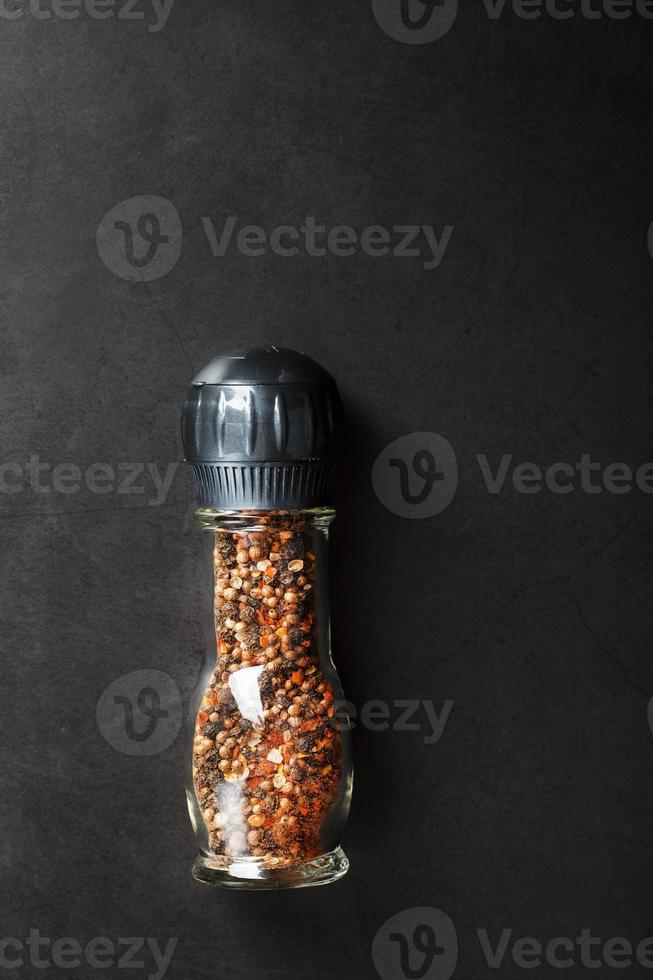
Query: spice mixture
(267, 758)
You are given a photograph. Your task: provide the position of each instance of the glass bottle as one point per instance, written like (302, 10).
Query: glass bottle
(270, 778)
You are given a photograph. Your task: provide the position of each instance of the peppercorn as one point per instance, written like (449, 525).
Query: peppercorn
(275, 776)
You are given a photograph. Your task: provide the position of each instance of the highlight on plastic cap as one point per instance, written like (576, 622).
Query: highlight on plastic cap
(262, 429)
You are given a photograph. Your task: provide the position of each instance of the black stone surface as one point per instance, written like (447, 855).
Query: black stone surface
(531, 612)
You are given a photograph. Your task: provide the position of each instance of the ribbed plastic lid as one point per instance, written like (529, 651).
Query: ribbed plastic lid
(262, 430)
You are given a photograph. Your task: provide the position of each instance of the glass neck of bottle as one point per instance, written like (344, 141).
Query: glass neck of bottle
(212, 519)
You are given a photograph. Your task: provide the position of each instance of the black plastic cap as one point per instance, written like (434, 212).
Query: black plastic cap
(262, 430)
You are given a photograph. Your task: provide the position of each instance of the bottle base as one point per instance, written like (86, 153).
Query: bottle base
(249, 873)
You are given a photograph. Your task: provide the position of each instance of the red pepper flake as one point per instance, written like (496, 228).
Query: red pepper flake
(286, 802)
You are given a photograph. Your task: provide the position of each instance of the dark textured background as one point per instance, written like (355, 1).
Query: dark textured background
(532, 613)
